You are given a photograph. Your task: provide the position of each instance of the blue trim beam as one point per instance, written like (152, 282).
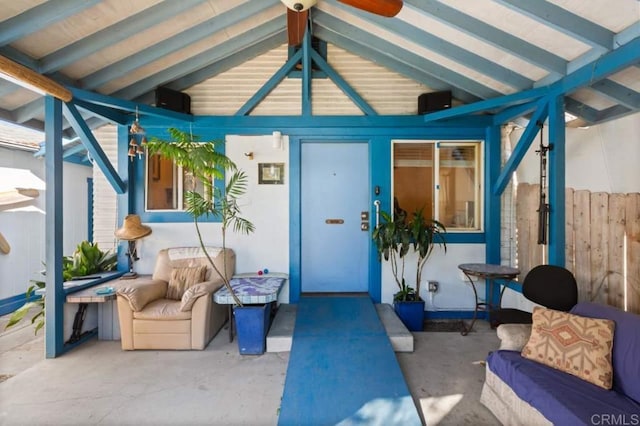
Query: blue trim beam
(513, 112)
(521, 148)
(618, 93)
(564, 21)
(307, 106)
(342, 84)
(54, 293)
(271, 84)
(89, 141)
(38, 17)
(557, 161)
(107, 113)
(501, 39)
(115, 33)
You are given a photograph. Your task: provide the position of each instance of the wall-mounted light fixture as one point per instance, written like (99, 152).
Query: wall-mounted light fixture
(249, 155)
(277, 140)
(299, 5)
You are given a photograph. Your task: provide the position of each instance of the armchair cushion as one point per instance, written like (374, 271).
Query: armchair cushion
(140, 295)
(162, 310)
(182, 279)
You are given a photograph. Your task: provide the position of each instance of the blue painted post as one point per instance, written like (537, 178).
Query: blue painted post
(90, 209)
(126, 169)
(380, 175)
(493, 150)
(306, 73)
(54, 292)
(557, 182)
(294, 219)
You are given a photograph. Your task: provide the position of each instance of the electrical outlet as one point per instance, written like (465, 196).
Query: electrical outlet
(433, 286)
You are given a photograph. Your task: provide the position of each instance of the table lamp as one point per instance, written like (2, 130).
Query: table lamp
(132, 230)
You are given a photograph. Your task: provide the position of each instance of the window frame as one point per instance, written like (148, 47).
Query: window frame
(478, 144)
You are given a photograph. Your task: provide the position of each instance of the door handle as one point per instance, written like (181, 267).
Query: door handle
(377, 204)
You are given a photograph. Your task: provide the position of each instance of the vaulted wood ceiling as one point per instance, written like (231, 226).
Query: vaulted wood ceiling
(478, 49)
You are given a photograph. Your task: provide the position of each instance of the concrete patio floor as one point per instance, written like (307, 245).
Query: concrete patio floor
(98, 383)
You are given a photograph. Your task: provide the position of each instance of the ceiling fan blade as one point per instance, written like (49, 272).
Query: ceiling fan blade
(388, 8)
(296, 26)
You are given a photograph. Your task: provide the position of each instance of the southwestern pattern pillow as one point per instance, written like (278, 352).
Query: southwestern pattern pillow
(182, 279)
(576, 345)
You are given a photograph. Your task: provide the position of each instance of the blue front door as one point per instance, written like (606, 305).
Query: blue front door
(334, 196)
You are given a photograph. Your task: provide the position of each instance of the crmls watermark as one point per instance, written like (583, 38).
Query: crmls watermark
(615, 419)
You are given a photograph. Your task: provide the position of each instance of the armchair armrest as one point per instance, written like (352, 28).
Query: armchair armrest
(140, 294)
(513, 337)
(198, 290)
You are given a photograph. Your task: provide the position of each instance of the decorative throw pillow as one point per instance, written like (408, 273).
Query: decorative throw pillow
(182, 279)
(576, 345)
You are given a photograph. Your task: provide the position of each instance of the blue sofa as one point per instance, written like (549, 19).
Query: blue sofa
(522, 391)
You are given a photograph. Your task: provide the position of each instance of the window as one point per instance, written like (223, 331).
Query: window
(166, 184)
(442, 178)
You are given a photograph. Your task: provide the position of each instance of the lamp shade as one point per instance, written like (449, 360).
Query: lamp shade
(299, 5)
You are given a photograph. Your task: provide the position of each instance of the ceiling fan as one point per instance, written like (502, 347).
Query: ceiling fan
(298, 13)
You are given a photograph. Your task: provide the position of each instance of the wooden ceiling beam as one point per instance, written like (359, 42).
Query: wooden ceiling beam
(25, 77)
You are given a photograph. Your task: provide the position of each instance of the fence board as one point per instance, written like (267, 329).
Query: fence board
(522, 222)
(581, 220)
(632, 225)
(599, 243)
(616, 282)
(570, 247)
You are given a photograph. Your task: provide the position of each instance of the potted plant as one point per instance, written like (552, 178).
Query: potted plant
(394, 238)
(203, 163)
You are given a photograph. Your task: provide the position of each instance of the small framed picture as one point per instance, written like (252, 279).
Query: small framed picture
(271, 173)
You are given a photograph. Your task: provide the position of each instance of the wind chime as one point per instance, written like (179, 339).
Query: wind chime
(543, 207)
(137, 131)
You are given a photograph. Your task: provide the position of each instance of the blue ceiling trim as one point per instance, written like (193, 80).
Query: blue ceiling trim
(229, 62)
(205, 58)
(107, 113)
(441, 72)
(618, 93)
(342, 84)
(384, 59)
(608, 64)
(175, 43)
(626, 35)
(74, 150)
(129, 106)
(266, 88)
(488, 104)
(72, 115)
(492, 35)
(612, 112)
(514, 112)
(115, 33)
(444, 48)
(522, 147)
(307, 107)
(40, 16)
(579, 109)
(564, 21)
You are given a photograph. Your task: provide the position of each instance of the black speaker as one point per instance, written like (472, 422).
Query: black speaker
(173, 100)
(434, 101)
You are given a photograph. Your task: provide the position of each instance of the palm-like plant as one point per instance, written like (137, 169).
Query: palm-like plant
(204, 163)
(394, 237)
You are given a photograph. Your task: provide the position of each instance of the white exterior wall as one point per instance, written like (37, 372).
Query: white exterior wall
(24, 227)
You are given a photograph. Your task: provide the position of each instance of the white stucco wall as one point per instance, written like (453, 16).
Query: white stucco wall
(24, 226)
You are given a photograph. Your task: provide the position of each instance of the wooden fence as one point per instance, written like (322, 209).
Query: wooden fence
(602, 243)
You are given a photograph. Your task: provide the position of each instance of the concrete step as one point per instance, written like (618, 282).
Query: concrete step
(280, 336)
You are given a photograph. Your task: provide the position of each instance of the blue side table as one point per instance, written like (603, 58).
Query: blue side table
(259, 292)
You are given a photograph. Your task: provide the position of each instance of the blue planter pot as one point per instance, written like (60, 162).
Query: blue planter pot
(252, 324)
(411, 314)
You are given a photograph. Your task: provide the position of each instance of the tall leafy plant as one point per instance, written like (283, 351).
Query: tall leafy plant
(394, 239)
(87, 259)
(203, 163)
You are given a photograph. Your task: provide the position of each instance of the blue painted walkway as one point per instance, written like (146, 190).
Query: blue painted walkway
(342, 368)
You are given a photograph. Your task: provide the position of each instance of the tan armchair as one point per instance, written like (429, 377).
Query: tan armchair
(151, 320)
